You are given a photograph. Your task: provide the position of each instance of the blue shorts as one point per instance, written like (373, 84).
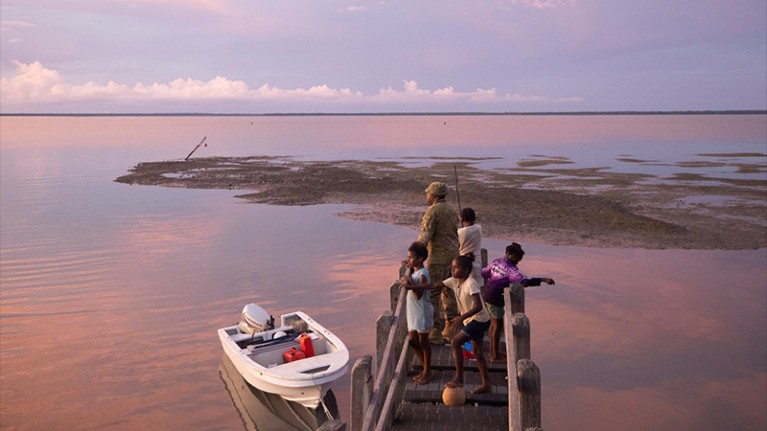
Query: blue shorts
(476, 330)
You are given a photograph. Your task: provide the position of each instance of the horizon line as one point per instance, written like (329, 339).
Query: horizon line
(404, 113)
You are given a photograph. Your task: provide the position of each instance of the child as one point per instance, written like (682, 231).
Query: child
(473, 321)
(498, 275)
(420, 313)
(470, 241)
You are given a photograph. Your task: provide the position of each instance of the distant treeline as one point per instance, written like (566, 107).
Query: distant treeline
(390, 114)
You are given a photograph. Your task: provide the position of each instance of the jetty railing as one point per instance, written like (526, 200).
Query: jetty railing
(374, 402)
(525, 389)
(393, 357)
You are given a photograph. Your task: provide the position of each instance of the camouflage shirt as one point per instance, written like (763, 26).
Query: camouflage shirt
(439, 231)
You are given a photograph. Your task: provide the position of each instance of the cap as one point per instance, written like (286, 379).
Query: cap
(437, 189)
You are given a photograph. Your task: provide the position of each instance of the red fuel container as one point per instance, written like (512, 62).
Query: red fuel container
(292, 355)
(307, 347)
(468, 352)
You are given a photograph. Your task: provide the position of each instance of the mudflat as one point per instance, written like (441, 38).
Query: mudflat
(538, 200)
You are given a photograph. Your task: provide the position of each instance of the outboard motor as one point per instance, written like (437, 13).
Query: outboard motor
(255, 319)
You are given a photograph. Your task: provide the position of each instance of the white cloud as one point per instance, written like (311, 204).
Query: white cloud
(5, 24)
(217, 88)
(15, 28)
(353, 9)
(317, 92)
(411, 92)
(546, 4)
(218, 7)
(31, 82)
(35, 85)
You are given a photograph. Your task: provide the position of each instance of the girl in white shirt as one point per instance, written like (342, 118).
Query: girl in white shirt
(472, 324)
(420, 314)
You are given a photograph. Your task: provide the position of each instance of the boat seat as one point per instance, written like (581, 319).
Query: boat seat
(243, 339)
(306, 366)
(272, 353)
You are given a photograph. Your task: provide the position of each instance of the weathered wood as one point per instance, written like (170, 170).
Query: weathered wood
(385, 322)
(361, 391)
(396, 390)
(517, 298)
(402, 328)
(394, 292)
(523, 396)
(386, 368)
(195, 148)
(333, 425)
(515, 421)
(529, 381)
(383, 327)
(521, 329)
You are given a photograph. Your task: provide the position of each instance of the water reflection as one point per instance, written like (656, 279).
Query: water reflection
(676, 332)
(269, 412)
(111, 294)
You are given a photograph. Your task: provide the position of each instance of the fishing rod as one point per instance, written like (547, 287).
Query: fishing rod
(457, 195)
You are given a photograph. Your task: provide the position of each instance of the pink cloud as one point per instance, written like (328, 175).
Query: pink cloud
(35, 84)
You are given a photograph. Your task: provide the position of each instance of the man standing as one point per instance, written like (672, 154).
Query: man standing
(439, 232)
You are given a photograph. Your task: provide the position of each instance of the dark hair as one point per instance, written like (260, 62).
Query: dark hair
(465, 261)
(468, 214)
(419, 250)
(515, 249)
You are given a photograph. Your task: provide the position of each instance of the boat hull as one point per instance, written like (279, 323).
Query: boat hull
(258, 358)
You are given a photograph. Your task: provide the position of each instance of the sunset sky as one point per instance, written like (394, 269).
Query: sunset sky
(293, 56)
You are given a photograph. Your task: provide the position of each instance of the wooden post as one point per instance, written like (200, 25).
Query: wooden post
(362, 391)
(529, 382)
(517, 298)
(521, 327)
(333, 425)
(397, 293)
(396, 390)
(515, 422)
(195, 148)
(385, 370)
(383, 326)
(394, 292)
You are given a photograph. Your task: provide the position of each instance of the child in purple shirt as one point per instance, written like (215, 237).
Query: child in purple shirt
(498, 275)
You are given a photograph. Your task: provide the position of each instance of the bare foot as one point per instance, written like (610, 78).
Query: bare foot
(417, 377)
(423, 379)
(481, 389)
(454, 384)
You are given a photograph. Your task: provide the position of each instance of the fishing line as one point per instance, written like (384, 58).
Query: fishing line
(457, 195)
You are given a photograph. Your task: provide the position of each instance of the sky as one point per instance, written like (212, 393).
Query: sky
(332, 56)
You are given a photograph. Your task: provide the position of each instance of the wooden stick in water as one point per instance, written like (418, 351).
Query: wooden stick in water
(195, 148)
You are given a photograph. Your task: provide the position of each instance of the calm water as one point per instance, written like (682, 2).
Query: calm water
(110, 295)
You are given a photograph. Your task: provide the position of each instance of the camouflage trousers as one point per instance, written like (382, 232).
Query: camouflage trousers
(445, 307)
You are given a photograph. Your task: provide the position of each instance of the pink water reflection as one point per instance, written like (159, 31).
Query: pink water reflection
(627, 332)
(111, 294)
(303, 135)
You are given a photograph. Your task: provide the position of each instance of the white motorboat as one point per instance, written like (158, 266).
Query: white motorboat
(297, 360)
(260, 411)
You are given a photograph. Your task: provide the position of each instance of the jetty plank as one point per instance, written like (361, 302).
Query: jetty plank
(423, 409)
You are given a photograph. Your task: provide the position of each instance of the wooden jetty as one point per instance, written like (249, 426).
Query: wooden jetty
(390, 400)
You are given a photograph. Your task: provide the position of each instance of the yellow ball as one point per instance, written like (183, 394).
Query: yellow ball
(454, 396)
